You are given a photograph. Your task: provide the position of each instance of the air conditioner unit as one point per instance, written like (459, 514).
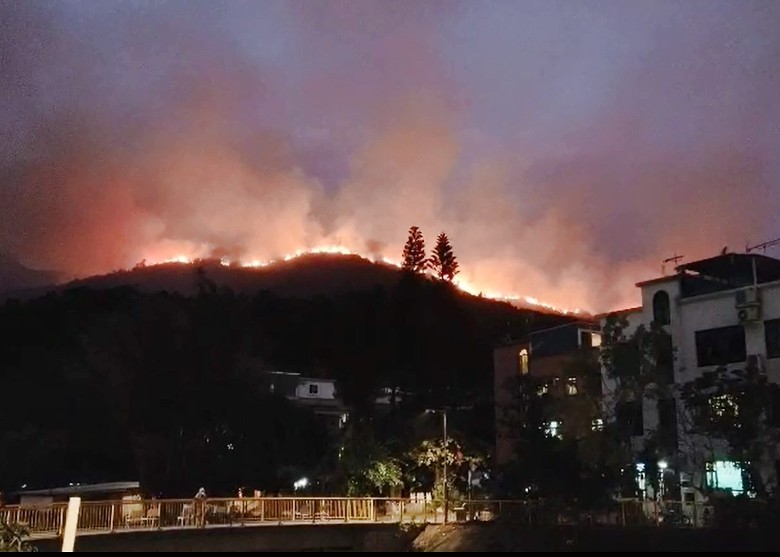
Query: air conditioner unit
(755, 361)
(747, 297)
(749, 314)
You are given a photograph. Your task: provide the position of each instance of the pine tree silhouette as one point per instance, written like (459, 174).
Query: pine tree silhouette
(443, 260)
(414, 252)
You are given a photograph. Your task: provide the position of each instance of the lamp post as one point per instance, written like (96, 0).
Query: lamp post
(445, 439)
(446, 454)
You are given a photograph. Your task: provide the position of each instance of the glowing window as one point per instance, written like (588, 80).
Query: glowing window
(571, 386)
(597, 424)
(523, 361)
(595, 339)
(724, 406)
(723, 474)
(554, 429)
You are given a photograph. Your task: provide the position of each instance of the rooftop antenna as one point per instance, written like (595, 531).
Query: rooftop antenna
(675, 258)
(763, 247)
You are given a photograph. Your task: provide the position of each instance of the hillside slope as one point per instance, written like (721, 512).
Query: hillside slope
(307, 276)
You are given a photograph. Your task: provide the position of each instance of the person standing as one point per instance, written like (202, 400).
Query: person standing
(200, 507)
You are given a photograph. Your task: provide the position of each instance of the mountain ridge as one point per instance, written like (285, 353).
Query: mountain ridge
(306, 276)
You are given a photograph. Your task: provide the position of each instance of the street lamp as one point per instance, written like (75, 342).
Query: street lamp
(444, 434)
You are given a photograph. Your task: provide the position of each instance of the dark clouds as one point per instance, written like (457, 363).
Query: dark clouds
(565, 147)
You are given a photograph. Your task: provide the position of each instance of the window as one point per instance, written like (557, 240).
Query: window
(272, 387)
(774, 412)
(724, 406)
(522, 360)
(630, 417)
(314, 389)
(772, 337)
(661, 311)
(723, 474)
(542, 389)
(665, 359)
(589, 339)
(717, 347)
(597, 424)
(571, 386)
(667, 414)
(554, 429)
(667, 422)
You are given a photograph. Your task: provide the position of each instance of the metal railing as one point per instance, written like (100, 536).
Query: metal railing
(106, 517)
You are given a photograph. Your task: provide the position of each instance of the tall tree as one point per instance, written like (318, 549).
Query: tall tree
(443, 260)
(738, 406)
(414, 251)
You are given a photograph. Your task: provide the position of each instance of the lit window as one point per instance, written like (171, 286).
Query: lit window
(554, 429)
(542, 389)
(272, 387)
(523, 361)
(313, 389)
(571, 386)
(640, 477)
(723, 474)
(724, 406)
(595, 339)
(597, 424)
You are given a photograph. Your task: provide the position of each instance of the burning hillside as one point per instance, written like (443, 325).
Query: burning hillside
(462, 284)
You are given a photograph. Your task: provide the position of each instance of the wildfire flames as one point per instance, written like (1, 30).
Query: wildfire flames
(462, 283)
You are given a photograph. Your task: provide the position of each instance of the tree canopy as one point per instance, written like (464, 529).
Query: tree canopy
(443, 260)
(414, 258)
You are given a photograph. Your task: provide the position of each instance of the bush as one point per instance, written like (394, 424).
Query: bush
(13, 539)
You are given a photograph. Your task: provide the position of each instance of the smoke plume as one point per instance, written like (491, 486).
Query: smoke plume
(566, 148)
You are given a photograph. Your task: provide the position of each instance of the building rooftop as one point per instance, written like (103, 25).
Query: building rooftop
(726, 271)
(735, 268)
(84, 489)
(624, 311)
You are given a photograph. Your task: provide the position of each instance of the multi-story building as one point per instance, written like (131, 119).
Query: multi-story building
(720, 311)
(545, 356)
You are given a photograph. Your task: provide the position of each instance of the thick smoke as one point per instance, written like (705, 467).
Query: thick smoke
(566, 148)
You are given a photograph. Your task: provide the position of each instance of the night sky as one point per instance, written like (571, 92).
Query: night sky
(565, 147)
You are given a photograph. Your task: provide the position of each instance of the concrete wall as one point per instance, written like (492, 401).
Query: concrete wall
(303, 537)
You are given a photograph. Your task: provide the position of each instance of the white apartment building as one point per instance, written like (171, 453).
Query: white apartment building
(721, 311)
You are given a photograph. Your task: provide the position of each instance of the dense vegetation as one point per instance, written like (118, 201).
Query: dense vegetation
(114, 384)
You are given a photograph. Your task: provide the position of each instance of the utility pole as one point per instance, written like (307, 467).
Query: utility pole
(446, 455)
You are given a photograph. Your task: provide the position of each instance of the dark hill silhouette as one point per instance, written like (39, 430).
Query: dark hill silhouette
(138, 370)
(15, 276)
(307, 276)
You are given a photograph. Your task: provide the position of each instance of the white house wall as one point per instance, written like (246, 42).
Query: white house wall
(687, 316)
(326, 390)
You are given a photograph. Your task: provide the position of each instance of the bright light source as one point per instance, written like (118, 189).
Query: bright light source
(301, 484)
(663, 465)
